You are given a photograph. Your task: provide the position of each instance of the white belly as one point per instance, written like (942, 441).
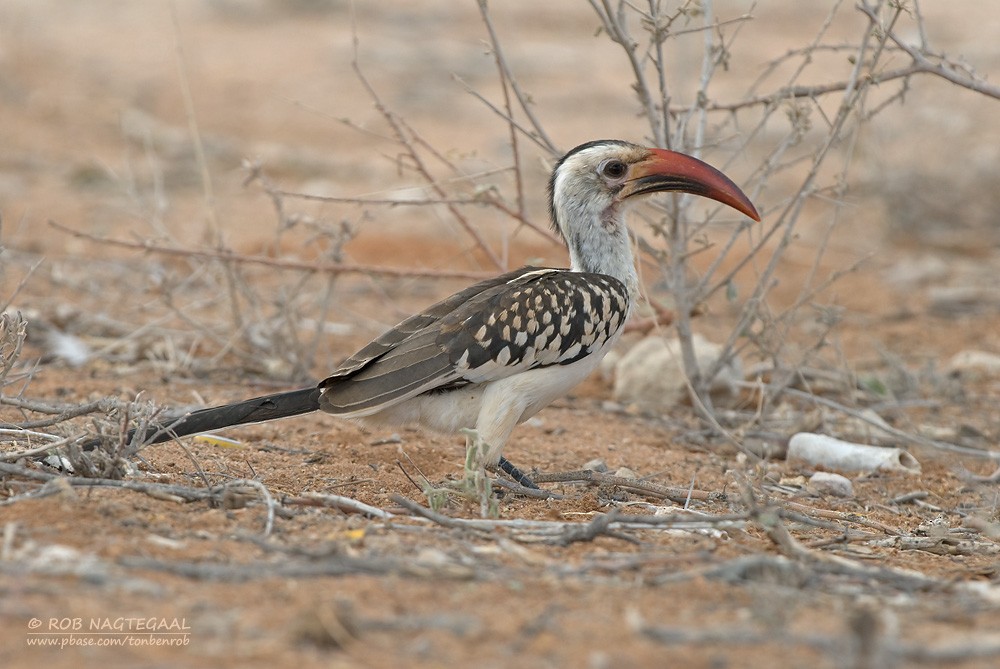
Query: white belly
(495, 408)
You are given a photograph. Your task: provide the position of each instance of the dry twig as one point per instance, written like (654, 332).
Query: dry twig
(229, 256)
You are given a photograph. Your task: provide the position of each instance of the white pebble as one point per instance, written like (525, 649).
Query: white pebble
(823, 451)
(827, 483)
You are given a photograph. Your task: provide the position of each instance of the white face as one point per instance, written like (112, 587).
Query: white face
(589, 189)
(588, 183)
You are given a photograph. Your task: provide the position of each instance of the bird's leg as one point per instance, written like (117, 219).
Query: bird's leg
(474, 485)
(508, 468)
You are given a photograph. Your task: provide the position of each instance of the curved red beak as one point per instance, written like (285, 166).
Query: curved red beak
(671, 171)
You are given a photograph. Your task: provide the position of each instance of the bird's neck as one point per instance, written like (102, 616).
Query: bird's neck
(602, 246)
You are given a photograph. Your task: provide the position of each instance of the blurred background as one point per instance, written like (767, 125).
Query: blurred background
(206, 200)
(144, 122)
(92, 94)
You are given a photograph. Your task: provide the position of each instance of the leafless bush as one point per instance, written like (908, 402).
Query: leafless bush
(822, 125)
(790, 143)
(798, 141)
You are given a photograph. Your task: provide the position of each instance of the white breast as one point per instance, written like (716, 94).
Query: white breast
(494, 409)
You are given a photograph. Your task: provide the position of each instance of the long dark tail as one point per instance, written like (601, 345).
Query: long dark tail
(256, 410)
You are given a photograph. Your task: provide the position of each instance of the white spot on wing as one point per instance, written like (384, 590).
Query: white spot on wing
(503, 356)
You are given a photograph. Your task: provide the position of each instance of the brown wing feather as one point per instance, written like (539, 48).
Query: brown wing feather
(415, 323)
(408, 359)
(521, 320)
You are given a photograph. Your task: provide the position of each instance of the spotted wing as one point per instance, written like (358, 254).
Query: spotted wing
(518, 321)
(555, 318)
(416, 323)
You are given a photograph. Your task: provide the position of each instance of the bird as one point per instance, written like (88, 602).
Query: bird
(493, 355)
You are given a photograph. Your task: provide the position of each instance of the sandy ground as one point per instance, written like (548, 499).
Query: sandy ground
(96, 136)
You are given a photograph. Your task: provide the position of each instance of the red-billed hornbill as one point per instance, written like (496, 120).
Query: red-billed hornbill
(491, 356)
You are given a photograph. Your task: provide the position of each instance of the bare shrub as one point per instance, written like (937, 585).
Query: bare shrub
(789, 139)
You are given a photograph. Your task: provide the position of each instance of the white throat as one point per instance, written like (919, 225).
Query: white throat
(596, 235)
(593, 249)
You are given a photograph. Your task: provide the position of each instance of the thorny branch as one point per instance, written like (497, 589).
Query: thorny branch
(60, 414)
(488, 198)
(338, 268)
(538, 133)
(405, 137)
(924, 61)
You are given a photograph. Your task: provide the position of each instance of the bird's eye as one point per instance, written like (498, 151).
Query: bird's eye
(613, 169)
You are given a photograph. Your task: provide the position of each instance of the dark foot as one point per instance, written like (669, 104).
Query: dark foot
(519, 477)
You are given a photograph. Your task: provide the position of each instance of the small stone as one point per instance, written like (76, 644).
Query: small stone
(955, 300)
(58, 462)
(596, 465)
(651, 377)
(827, 483)
(820, 450)
(974, 365)
(166, 542)
(393, 438)
(919, 271)
(626, 473)
(69, 348)
(432, 557)
(612, 407)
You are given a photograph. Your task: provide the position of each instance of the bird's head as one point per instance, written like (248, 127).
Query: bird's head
(593, 181)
